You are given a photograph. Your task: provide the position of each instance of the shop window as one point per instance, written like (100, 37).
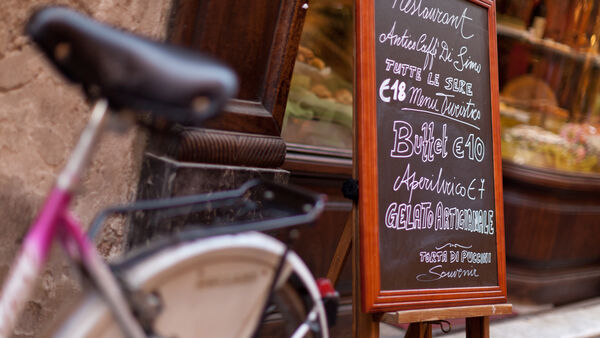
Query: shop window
(319, 106)
(550, 83)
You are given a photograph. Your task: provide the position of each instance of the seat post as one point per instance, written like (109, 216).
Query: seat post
(69, 177)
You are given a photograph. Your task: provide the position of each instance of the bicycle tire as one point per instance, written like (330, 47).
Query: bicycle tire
(213, 287)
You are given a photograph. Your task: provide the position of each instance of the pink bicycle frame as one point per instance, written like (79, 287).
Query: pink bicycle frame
(55, 219)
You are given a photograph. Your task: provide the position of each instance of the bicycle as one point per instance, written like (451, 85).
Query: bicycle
(186, 284)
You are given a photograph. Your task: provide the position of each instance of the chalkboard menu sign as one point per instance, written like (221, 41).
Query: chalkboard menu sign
(429, 167)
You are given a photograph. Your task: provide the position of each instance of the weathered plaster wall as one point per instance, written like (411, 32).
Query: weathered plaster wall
(41, 117)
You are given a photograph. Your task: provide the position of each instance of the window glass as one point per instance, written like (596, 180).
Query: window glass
(319, 107)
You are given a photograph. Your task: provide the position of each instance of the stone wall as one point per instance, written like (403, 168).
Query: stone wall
(41, 117)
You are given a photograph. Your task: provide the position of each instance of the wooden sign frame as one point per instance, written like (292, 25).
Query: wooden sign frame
(373, 299)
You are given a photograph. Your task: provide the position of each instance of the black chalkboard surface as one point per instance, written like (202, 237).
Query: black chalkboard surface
(427, 115)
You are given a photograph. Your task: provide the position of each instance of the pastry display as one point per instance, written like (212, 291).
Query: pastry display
(535, 146)
(535, 130)
(321, 99)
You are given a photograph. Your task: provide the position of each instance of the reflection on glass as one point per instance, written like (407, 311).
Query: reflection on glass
(319, 107)
(550, 83)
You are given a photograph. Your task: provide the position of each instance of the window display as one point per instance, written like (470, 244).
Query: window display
(549, 83)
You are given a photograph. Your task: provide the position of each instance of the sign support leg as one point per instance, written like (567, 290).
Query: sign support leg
(478, 327)
(418, 330)
(365, 325)
(341, 252)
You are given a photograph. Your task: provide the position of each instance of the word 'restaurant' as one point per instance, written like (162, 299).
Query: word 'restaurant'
(434, 14)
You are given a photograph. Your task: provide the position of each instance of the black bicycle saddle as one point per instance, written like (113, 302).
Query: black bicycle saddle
(132, 71)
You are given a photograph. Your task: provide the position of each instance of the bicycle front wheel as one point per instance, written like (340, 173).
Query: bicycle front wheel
(214, 287)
